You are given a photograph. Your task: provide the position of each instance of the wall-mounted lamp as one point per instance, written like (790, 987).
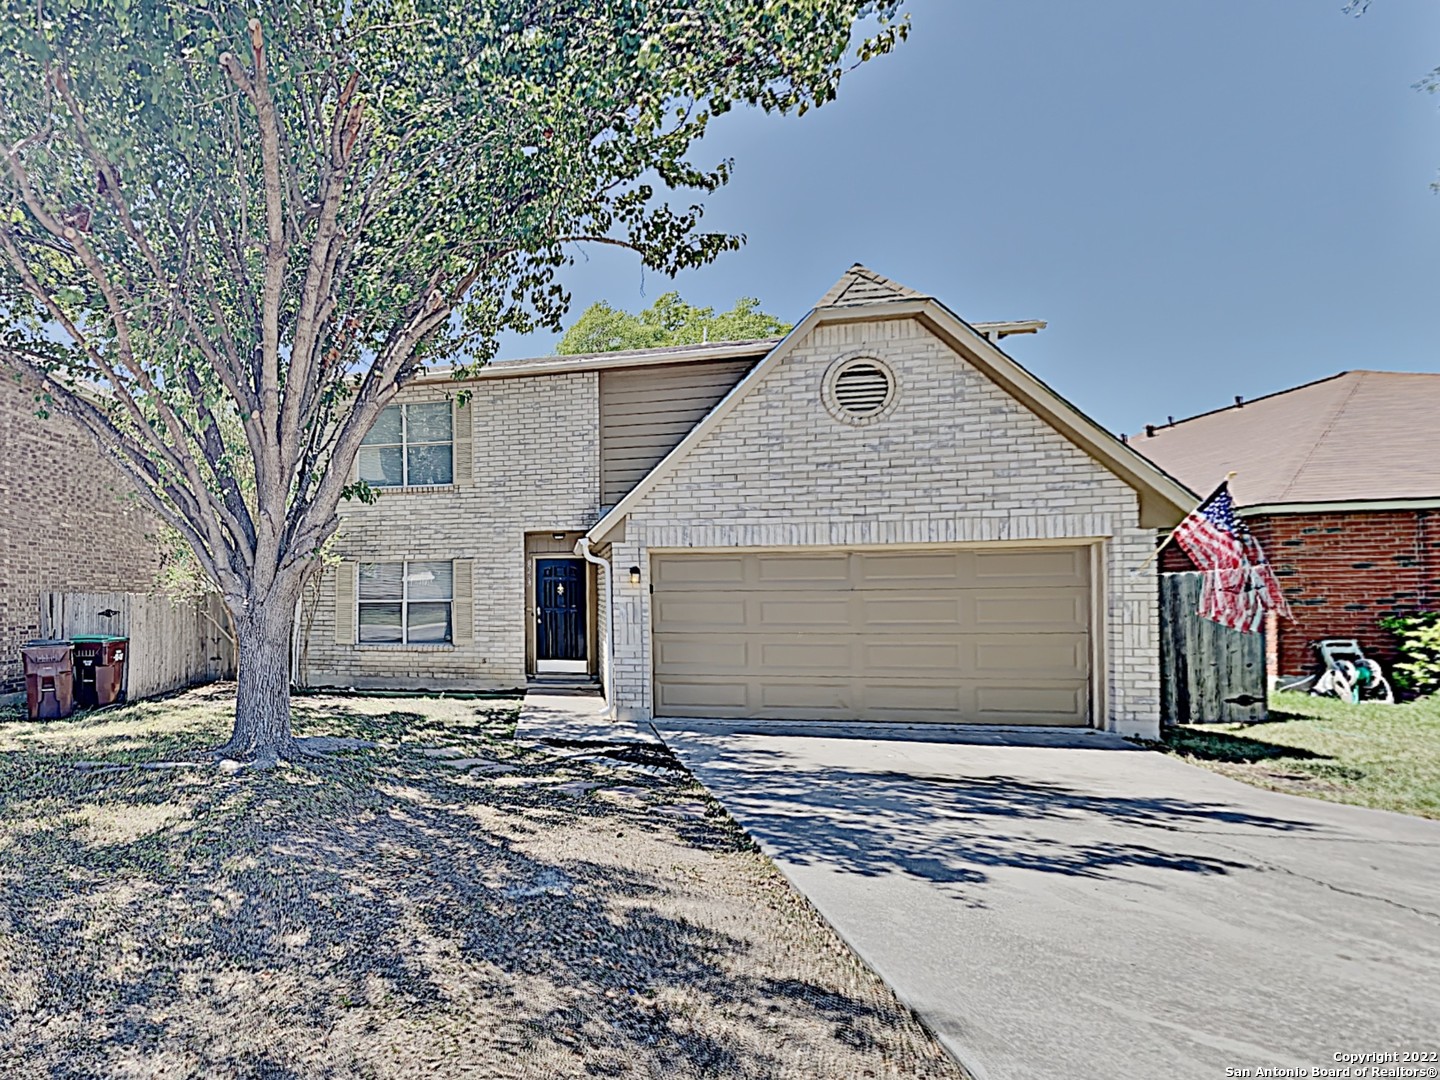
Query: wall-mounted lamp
(557, 536)
(634, 575)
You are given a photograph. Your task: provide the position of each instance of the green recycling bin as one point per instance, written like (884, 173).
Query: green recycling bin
(99, 669)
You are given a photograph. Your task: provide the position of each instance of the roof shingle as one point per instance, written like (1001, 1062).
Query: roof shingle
(1356, 436)
(861, 285)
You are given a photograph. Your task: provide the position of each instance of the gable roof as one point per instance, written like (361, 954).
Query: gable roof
(1163, 500)
(861, 285)
(1359, 436)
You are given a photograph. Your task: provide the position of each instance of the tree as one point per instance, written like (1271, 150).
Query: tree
(1429, 83)
(230, 234)
(668, 321)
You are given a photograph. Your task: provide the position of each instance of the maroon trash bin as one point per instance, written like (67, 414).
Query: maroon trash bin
(49, 678)
(99, 669)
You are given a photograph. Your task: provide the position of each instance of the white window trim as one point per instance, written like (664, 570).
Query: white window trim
(405, 444)
(404, 603)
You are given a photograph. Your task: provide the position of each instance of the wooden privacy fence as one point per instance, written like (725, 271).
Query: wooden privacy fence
(1208, 672)
(173, 644)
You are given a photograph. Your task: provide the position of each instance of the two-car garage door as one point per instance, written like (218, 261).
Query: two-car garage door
(981, 635)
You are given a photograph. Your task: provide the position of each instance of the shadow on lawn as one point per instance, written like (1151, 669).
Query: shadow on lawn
(332, 922)
(1241, 749)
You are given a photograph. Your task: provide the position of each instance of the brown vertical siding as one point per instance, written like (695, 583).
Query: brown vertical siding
(645, 412)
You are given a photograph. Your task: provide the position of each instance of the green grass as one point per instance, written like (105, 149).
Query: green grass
(1382, 756)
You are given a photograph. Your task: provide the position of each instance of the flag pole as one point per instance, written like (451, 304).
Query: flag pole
(1166, 542)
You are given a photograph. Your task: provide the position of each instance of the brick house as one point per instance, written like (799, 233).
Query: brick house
(1339, 479)
(68, 521)
(881, 516)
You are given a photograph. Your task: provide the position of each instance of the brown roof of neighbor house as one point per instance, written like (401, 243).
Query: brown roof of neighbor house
(1359, 436)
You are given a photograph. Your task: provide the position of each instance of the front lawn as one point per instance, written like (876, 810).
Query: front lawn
(1383, 756)
(443, 903)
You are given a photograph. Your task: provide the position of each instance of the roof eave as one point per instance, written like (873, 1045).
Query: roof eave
(565, 364)
(1340, 506)
(1164, 500)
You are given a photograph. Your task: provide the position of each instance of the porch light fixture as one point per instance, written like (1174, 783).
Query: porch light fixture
(557, 536)
(634, 575)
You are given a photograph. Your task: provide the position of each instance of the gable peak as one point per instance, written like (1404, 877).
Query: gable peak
(861, 285)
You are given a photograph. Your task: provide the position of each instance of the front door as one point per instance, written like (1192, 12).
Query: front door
(560, 615)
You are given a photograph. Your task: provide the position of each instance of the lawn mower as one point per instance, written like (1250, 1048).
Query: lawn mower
(1348, 675)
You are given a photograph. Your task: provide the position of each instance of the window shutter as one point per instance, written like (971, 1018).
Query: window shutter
(345, 604)
(464, 443)
(462, 619)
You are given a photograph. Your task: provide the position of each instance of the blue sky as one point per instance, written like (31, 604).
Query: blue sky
(1203, 198)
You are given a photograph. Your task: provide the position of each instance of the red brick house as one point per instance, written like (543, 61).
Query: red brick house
(1339, 479)
(68, 521)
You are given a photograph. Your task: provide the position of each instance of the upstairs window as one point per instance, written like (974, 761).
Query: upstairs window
(410, 446)
(406, 603)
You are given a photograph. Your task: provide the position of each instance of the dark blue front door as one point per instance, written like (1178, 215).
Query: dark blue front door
(560, 609)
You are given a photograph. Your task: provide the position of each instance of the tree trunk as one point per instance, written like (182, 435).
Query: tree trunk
(262, 700)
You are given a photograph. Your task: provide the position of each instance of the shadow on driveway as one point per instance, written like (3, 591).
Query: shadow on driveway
(1067, 904)
(950, 829)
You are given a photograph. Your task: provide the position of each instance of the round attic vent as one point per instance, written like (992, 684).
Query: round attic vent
(859, 390)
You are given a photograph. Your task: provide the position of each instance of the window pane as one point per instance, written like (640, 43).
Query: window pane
(381, 581)
(428, 423)
(429, 623)
(430, 464)
(380, 622)
(381, 466)
(386, 429)
(430, 581)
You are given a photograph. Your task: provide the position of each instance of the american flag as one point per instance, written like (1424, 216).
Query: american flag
(1239, 586)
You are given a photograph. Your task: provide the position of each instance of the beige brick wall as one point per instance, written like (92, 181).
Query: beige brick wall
(536, 469)
(957, 461)
(68, 521)
(602, 612)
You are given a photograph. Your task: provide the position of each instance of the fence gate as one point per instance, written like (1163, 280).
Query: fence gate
(1208, 673)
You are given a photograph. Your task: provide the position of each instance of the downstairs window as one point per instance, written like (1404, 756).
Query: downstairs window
(406, 603)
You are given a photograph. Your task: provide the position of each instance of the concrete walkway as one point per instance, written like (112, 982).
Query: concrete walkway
(574, 715)
(1064, 905)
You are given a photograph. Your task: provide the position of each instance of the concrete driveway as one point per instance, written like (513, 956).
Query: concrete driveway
(1064, 905)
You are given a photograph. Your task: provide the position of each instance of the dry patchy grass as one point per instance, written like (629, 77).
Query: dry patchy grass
(446, 903)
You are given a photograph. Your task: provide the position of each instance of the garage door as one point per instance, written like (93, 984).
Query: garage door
(980, 635)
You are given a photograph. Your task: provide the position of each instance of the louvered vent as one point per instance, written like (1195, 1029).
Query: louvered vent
(862, 389)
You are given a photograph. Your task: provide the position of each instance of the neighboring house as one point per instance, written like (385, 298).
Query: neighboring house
(879, 517)
(1340, 481)
(68, 522)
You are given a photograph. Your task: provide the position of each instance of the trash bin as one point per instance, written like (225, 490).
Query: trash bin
(49, 678)
(99, 669)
